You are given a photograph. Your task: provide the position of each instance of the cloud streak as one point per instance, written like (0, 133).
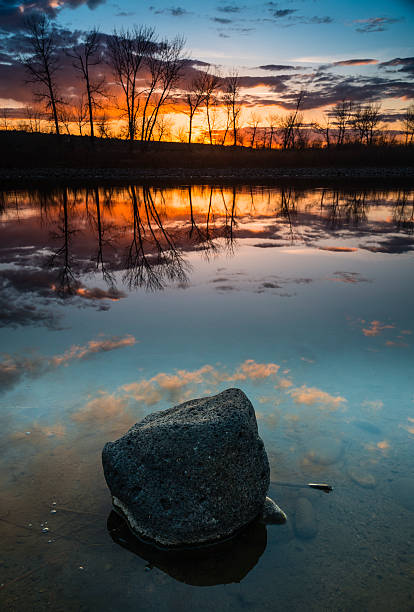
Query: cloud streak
(15, 369)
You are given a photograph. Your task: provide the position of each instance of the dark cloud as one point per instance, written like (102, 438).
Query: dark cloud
(399, 64)
(124, 14)
(355, 62)
(375, 24)
(14, 12)
(15, 313)
(280, 13)
(228, 8)
(175, 11)
(278, 67)
(317, 19)
(222, 20)
(289, 17)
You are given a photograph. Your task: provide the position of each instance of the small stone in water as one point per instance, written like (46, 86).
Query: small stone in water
(45, 529)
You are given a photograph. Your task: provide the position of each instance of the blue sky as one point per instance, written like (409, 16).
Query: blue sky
(252, 33)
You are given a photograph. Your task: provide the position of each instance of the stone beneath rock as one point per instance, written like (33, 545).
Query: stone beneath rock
(305, 519)
(325, 451)
(193, 474)
(272, 514)
(361, 478)
(403, 492)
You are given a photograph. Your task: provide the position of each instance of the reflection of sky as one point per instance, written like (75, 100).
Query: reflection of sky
(320, 340)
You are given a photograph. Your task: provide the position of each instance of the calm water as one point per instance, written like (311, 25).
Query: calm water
(118, 302)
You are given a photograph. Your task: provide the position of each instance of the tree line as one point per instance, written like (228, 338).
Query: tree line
(150, 74)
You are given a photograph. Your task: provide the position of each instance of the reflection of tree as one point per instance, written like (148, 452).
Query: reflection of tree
(230, 220)
(104, 240)
(344, 209)
(152, 257)
(66, 281)
(287, 211)
(403, 213)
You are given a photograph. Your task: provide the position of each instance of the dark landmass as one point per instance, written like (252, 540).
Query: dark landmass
(46, 157)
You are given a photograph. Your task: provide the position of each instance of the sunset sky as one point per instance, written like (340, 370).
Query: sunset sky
(336, 50)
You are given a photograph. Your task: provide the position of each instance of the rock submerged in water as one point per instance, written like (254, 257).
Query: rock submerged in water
(193, 474)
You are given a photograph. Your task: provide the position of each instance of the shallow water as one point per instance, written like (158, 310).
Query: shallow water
(118, 302)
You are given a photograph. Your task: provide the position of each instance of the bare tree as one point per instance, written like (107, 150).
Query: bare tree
(253, 125)
(80, 112)
(342, 114)
(365, 121)
(212, 82)
(232, 102)
(194, 98)
(4, 118)
(408, 125)
(272, 123)
(66, 118)
(85, 55)
(127, 51)
(102, 123)
(291, 122)
(165, 63)
(34, 118)
(163, 126)
(42, 64)
(324, 128)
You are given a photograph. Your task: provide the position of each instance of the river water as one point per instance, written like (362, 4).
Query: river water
(116, 302)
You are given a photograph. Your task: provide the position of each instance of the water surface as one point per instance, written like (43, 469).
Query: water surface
(118, 302)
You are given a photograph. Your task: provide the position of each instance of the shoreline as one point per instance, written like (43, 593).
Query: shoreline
(207, 175)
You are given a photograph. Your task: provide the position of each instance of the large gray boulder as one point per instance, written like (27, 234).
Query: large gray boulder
(193, 474)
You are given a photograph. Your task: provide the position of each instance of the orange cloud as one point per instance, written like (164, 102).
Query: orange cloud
(93, 347)
(254, 371)
(284, 383)
(337, 249)
(375, 328)
(104, 407)
(312, 395)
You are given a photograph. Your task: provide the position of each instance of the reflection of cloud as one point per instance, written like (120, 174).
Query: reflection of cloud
(104, 407)
(313, 395)
(409, 426)
(348, 277)
(178, 386)
(375, 328)
(255, 371)
(93, 347)
(14, 368)
(284, 383)
(95, 293)
(337, 249)
(394, 343)
(270, 420)
(373, 405)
